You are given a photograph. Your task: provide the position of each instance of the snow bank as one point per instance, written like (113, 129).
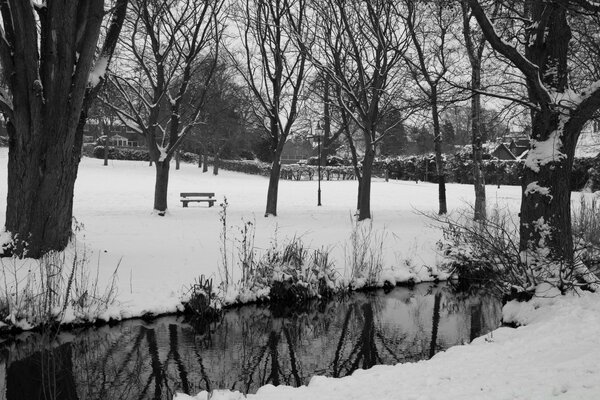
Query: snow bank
(160, 257)
(554, 356)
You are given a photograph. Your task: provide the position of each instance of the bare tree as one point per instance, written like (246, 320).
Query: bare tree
(358, 46)
(274, 70)
(224, 113)
(166, 41)
(430, 25)
(475, 45)
(48, 55)
(558, 112)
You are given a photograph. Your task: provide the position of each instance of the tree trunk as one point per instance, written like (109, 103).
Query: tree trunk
(177, 159)
(199, 159)
(435, 322)
(48, 88)
(41, 178)
(546, 191)
(105, 134)
(161, 186)
(216, 164)
(478, 177)
(326, 150)
(205, 161)
(273, 189)
(364, 196)
(439, 161)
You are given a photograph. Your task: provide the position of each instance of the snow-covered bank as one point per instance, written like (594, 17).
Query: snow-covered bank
(160, 257)
(556, 355)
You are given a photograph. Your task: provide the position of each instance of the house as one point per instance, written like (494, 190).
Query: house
(503, 152)
(119, 135)
(513, 147)
(518, 146)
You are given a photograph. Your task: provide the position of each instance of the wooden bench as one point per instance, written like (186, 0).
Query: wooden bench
(198, 198)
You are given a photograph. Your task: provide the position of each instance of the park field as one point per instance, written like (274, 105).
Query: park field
(158, 258)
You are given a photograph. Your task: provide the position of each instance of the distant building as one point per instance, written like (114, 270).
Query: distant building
(502, 152)
(518, 146)
(514, 146)
(118, 135)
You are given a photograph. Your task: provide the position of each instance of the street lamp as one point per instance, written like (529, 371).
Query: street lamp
(317, 138)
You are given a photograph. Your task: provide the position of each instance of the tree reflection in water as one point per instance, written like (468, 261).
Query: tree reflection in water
(248, 347)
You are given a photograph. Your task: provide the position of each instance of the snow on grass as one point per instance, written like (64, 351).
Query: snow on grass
(554, 356)
(160, 257)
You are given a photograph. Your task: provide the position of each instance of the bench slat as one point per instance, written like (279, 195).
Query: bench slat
(194, 194)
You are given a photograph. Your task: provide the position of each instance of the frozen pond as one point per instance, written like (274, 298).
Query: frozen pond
(248, 347)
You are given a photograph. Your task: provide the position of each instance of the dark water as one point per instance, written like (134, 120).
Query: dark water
(247, 348)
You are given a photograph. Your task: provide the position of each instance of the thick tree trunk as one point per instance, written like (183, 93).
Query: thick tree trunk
(478, 177)
(439, 161)
(41, 178)
(273, 189)
(216, 164)
(48, 86)
(205, 161)
(364, 195)
(545, 222)
(161, 186)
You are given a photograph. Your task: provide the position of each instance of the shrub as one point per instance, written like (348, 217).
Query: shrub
(290, 273)
(364, 255)
(488, 252)
(117, 153)
(202, 300)
(58, 288)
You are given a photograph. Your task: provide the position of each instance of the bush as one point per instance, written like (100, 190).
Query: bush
(247, 167)
(488, 252)
(247, 155)
(290, 273)
(58, 288)
(118, 153)
(364, 255)
(202, 300)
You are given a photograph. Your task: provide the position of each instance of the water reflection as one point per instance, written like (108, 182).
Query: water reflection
(247, 348)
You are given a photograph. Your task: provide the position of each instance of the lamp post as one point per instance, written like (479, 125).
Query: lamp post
(317, 137)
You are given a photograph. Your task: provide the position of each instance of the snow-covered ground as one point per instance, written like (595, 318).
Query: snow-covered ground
(159, 257)
(555, 356)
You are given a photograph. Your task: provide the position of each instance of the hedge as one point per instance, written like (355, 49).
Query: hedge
(458, 167)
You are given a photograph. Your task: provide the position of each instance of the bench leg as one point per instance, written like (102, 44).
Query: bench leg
(185, 203)
(210, 203)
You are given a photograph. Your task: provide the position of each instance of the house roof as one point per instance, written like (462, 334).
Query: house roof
(502, 152)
